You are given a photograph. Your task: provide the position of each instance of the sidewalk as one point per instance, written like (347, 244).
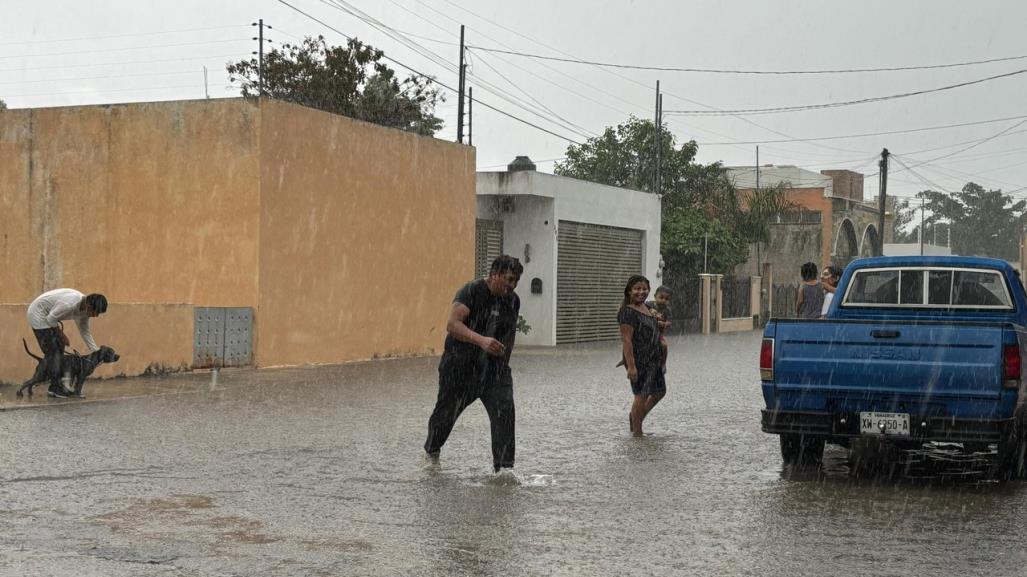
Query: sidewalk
(119, 388)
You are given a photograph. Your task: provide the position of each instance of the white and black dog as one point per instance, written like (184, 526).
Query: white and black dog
(77, 367)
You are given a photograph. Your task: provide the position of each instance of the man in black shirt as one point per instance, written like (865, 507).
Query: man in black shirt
(476, 361)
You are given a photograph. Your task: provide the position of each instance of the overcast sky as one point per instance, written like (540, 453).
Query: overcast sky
(70, 52)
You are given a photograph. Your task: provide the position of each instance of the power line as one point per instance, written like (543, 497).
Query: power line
(632, 80)
(122, 35)
(175, 73)
(177, 45)
(102, 91)
(191, 58)
(439, 60)
(781, 109)
(730, 71)
(867, 134)
(421, 74)
(976, 144)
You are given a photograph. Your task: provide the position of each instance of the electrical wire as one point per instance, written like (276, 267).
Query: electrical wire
(782, 109)
(128, 48)
(766, 72)
(79, 39)
(421, 74)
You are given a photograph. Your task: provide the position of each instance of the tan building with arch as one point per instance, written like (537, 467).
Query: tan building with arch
(833, 223)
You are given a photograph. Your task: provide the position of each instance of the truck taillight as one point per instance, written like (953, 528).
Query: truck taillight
(1011, 364)
(767, 360)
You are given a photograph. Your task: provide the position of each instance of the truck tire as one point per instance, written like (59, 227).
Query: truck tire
(801, 449)
(1012, 451)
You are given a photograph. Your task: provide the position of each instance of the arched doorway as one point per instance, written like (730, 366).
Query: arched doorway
(868, 245)
(846, 245)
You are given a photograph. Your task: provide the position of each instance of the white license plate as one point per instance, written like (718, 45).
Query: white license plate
(873, 423)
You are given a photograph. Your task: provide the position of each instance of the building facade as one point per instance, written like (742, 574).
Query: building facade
(831, 223)
(579, 242)
(345, 239)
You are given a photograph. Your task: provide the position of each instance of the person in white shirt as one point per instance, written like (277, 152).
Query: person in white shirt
(45, 316)
(829, 280)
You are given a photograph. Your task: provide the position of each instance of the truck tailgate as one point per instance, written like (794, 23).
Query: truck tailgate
(928, 361)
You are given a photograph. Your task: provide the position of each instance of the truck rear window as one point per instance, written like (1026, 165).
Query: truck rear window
(933, 287)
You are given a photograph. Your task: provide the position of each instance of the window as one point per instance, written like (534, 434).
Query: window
(904, 287)
(939, 287)
(911, 289)
(972, 288)
(874, 287)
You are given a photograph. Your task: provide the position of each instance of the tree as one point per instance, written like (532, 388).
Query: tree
(3, 105)
(349, 80)
(982, 222)
(701, 207)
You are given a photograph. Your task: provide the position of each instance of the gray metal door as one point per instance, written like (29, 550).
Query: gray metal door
(488, 244)
(593, 262)
(223, 337)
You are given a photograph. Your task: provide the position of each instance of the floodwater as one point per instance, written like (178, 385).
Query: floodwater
(319, 471)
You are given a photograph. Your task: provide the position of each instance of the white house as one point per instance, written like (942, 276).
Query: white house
(579, 242)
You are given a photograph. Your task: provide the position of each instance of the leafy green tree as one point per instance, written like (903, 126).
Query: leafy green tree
(3, 105)
(350, 80)
(982, 222)
(704, 216)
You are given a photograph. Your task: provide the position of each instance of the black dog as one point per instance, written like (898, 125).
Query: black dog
(77, 367)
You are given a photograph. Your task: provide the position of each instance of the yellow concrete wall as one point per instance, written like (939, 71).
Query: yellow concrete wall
(151, 202)
(366, 234)
(19, 240)
(147, 336)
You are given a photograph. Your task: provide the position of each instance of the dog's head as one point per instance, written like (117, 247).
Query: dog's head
(107, 355)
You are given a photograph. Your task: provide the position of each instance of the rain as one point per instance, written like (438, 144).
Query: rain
(303, 215)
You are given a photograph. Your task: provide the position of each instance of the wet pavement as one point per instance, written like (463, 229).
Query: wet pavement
(319, 471)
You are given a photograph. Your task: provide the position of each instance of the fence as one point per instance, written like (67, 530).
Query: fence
(737, 297)
(687, 307)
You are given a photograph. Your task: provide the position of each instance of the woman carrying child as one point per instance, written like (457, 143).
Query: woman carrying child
(643, 355)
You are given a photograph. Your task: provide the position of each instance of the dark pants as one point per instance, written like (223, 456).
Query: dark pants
(458, 389)
(50, 343)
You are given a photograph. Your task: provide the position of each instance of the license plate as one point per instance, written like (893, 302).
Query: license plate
(873, 423)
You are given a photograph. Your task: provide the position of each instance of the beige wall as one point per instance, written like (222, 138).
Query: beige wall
(348, 239)
(154, 337)
(153, 202)
(366, 234)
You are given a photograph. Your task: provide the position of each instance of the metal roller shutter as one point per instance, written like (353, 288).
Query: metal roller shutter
(593, 263)
(488, 244)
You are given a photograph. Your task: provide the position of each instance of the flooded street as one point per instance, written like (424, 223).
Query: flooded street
(320, 471)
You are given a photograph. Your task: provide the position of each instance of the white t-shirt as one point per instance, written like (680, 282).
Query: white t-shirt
(828, 297)
(52, 307)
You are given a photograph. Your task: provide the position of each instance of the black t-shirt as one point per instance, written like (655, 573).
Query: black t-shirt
(645, 338)
(490, 316)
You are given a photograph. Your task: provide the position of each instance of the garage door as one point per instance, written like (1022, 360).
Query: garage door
(593, 263)
(488, 244)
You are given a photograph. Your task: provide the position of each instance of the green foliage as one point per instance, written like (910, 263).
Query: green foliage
(623, 156)
(700, 204)
(3, 105)
(348, 80)
(983, 222)
(522, 325)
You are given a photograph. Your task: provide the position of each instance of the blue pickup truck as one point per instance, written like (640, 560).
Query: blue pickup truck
(912, 350)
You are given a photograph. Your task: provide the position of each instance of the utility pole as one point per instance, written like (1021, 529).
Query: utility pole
(260, 54)
(460, 97)
(659, 157)
(470, 116)
(883, 164)
(206, 92)
(656, 142)
(922, 201)
(757, 166)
